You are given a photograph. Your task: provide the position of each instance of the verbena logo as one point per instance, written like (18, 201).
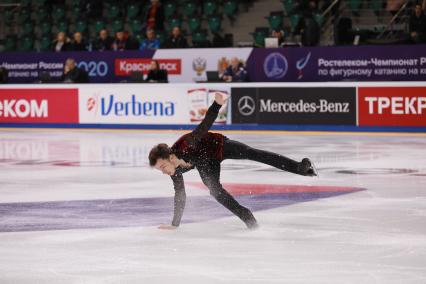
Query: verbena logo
(113, 105)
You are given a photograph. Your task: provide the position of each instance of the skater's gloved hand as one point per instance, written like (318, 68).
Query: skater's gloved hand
(219, 98)
(167, 227)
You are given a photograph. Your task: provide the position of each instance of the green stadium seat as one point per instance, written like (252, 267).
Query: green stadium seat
(194, 24)
(76, 12)
(275, 20)
(116, 26)
(45, 43)
(294, 20)
(58, 13)
(45, 29)
(61, 27)
(355, 5)
(8, 17)
(319, 19)
(81, 26)
(24, 16)
(376, 5)
(174, 22)
(39, 3)
(113, 12)
(9, 43)
(98, 26)
(139, 37)
(288, 6)
(132, 11)
(214, 23)
(27, 28)
(230, 7)
(189, 8)
(25, 3)
(199, 38)
(162, 36)
(210, 8)
(259, 36)
(42, 14)
(26, 43)
(135, 26)
(170, 9)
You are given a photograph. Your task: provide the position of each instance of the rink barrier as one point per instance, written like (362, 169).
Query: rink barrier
(288, 64)
(233, 128)
(357, 107)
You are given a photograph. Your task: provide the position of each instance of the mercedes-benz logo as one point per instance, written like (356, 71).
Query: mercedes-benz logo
(246, 105)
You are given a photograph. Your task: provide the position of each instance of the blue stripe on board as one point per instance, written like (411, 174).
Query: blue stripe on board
(134, 212)
(245, 127)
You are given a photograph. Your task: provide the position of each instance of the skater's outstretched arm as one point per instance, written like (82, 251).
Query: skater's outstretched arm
(209, 119)
(180, 199)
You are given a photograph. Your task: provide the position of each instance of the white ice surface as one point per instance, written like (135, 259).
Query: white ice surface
(372, 236)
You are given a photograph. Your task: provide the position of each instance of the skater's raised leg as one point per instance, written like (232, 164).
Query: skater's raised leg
(237, 150)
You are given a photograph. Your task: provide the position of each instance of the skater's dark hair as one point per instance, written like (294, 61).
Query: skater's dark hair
(161, 151)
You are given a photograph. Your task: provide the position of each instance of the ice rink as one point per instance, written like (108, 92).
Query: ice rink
(83, 207)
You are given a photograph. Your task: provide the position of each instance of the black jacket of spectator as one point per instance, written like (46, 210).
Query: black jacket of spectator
(103, 44)
(65, 47)
(76, 75)
(176, 42)
(3, 75)
(417, 24)
(78, 46)
(157, 76)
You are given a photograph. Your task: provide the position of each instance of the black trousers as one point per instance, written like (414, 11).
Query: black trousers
(210, 175)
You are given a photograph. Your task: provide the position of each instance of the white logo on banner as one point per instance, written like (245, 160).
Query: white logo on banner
(246, 105)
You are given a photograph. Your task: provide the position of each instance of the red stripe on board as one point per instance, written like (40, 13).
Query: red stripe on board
(249, 189)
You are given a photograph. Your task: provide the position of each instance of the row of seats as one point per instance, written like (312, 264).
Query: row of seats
(276, 21)
(37, 21)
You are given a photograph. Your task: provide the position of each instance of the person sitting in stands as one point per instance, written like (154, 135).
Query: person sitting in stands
(62, 43)
(103, 42)
(417, 25)
(78, 43)
(73, 74)
(176, 40)
(121, 42)
(236, 72)
(155, 74)
(151, 41)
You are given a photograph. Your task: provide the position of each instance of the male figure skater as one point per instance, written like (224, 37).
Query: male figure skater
(205, 151)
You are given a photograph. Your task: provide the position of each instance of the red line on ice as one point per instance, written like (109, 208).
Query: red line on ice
(246, 189)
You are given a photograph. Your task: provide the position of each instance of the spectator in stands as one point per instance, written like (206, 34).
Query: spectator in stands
(151, 41)
(176, 40)
(4, 75)
(417, 25)
(103, 42)
(121, 42)
(279, 34)
(78, 43)
(62, 43)
(73, 74)
(308, 28)
(155, 74)
(155, 16)
(236, 72)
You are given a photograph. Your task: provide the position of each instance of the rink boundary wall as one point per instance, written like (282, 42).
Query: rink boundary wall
(180, 95)
(233, 127)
